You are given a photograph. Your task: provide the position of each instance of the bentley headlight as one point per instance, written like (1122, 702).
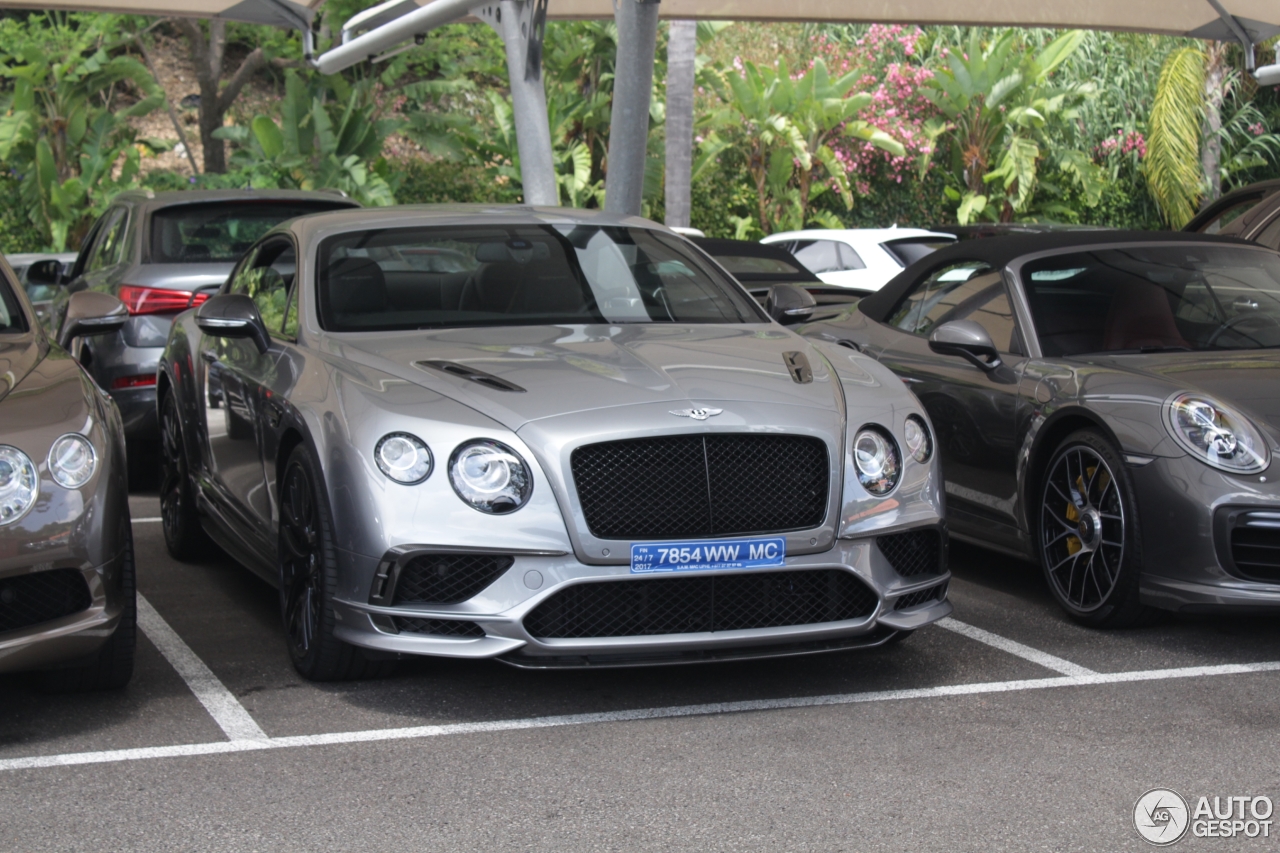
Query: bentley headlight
(490, 476)
(876, 458)
(1215, 434)
(72, 460)
(19, 484)
(919, 444)
(403, 457)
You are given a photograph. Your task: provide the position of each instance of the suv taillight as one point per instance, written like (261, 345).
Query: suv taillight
(158, 300)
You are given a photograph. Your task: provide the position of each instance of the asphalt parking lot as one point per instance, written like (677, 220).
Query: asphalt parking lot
(1009, 728)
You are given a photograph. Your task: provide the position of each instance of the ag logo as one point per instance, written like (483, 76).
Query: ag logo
(699, 414)
(1161, 817)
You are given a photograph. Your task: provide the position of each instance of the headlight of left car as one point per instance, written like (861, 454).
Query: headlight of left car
(72, 460)
(1215, 434)
(490, 476)
(19, 484)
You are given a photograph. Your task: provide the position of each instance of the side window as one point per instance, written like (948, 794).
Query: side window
(819, 255)
(265, 278)
(110, 240)
(849, 259)
(291, 315)
(1270, 236)
(916, 312)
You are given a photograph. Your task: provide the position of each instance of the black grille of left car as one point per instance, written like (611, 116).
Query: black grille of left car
(714, 485)
(447, 578)
(1255, 545)
(916, 552)
(687, 605)
(438, 627)
(30, 599)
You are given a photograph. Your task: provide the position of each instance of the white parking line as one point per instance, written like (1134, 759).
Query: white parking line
(225, 709)
(413, 732)
(1004, 644)
(146, 520)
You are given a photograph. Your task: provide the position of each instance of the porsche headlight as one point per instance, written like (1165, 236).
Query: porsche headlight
(403, 457)
(72, 460)
(1215, 434)
(919, 443)
(19, 484)
(876, 458)
(490, 476)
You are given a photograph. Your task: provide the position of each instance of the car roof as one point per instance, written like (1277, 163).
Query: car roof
(999, 252)
(875, 235)
(718, 247)
(1261, 192)
(426, 215)
(169, 198)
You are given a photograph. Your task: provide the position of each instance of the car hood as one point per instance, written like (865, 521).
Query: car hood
(566, 369)
(17, 359)
(1250, 381)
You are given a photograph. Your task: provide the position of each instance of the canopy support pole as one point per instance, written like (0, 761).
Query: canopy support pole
(522, 24)
(632, 87)
(1239, 32)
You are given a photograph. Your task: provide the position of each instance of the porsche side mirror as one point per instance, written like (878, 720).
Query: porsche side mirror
(967, 339)
(90, 312)
(789, 304)
(233, 315)
(47, 272)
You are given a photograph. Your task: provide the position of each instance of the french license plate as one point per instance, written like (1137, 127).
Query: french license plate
(656, 557)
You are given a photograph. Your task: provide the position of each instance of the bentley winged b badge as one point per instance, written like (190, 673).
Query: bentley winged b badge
(698, 414)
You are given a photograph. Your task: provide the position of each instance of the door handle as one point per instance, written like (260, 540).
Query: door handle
(209, 356)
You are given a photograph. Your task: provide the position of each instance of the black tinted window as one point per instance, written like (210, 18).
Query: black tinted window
(908, 251)
(520, 275)
(11, 316)
(820, 256)
(1153, 299)
(219, 232)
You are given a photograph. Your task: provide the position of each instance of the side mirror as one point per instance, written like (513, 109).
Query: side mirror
(967, 339)
(789, 304)
(233, 315)
(90, 312)
(47, 272)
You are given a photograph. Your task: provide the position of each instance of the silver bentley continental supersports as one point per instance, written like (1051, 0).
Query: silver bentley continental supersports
(1107, 403)
(557, 438)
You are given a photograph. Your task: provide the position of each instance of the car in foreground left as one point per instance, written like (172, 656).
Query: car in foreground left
(67, 591)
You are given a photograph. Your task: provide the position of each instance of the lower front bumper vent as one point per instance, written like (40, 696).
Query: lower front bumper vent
(447, 578)
(921, 597)
(687, 605)
(1252, 540)
(28, 600)
(438, 627)
(916, 552)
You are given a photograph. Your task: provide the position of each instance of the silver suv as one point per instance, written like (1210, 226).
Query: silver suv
(161, 253)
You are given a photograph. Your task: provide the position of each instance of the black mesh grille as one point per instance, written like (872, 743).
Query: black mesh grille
(448, 578)
(715, 485)
(28, 600)
(1256, 552)
(709, 603)
(439, 627)
(916, 552)
(923, 596)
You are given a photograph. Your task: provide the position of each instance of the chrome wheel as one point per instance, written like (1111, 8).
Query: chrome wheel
(1082, 528)
(302, 579)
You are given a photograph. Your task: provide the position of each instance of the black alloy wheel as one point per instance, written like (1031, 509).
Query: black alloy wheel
(183, 536)
(308, 578)
(1089, 544)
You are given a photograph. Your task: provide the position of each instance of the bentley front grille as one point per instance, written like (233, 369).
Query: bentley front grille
(713, 485)
(916, 552)
(687, 605)
(27, 600)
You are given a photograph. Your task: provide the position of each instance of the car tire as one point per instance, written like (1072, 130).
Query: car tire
(183, 536)
(308, 565)
(112, 666)
(1087, 533)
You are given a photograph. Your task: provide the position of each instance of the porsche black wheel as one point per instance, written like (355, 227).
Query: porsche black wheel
(183, 536)
(1089, 546)
(308, 577)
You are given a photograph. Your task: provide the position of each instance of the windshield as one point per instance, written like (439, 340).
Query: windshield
(221, 232)
(519, 275)
(1155, 299)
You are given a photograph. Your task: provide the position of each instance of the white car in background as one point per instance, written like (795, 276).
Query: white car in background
(860, 258)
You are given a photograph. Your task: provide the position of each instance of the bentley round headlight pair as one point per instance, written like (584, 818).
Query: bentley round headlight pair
(1215, 434)
(72, 461)
(488, 475)
(878, 460)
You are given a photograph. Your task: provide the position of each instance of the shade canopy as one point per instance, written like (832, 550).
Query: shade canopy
(1173, 17)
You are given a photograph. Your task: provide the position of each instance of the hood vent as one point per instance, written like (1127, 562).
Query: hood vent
(798, 366)
(461, 371)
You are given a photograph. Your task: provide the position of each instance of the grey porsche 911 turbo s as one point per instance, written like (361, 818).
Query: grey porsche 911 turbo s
(578, 442)
(1106, 403)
